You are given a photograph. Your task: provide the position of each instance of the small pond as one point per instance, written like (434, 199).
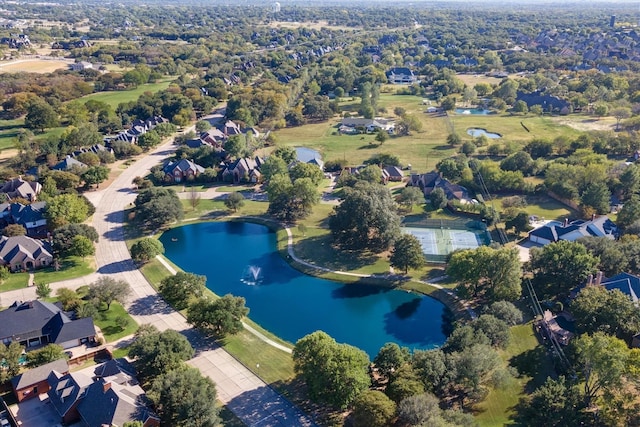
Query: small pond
(241, 259)
(473, 111)
(476, 132)
(305, 154)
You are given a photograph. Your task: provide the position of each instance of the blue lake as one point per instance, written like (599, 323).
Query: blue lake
(475, 132)
(291, 304)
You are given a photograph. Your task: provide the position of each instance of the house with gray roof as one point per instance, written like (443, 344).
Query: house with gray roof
(428, 182)
(33, 382)
(67, 164)
(35, 323)
(106, 403)
(401, 75)
(23, 253)
(19, 188)
(554, 231)
(65, 393)
(182, 170)
(31, 217)
(98, 401)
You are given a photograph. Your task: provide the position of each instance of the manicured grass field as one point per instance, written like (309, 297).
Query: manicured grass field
(216, 208)
(70, 268)
(542, 206)
(113, 98)
(420, 149)
(106, 321)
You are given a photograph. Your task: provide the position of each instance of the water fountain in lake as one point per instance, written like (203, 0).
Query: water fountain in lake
(252, 275)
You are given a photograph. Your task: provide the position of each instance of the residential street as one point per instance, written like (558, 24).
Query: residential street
(245, 394)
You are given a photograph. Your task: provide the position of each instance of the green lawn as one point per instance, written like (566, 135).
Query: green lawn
(421, 149)
(70, 268)
(113, 98)
(15, 281)
(542, 206)
(10, 129)
(215, 208)
(106, 321)
(530, 359)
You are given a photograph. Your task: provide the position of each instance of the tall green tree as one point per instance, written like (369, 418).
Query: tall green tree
(561, 266)
(407, 253)
(40, 115)
(95, 175)
(179, 289)
(556, 403)
(596, 196)
(219, 317)
(366, 218)
(146, 249)
(65, 209)
(373, 408)
(334, 373)
(390, 358)
(603, 362)
(156, 207)
(156, 353)
(107, 289)
(494, 271)
(597, 309)
(184, 398)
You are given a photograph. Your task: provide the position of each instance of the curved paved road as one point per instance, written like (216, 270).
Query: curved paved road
(252, 400)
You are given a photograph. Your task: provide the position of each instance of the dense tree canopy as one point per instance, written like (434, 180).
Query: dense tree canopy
(156, 353)
(496, 272)
(366, 218)
(561, 266)
(184, 398)
(180, 288)
(334, 373)
(219, 317)
(157, 207)
(146, 249)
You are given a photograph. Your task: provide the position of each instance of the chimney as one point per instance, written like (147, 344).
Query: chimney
(566, 222)
(598, 278)
(590, 280)
(106, 386)
(593, 216)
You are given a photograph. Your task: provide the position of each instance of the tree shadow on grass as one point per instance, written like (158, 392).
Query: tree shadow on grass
(323, 254)
(369, 146)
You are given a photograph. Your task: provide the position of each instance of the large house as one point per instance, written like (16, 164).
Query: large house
(35, 323)
(243, 170)
(19, 188)
(31, 217)
(68, 163)
(182, 170)
(571, 231)
(351, 125)
(428, 182)
(401, 75)
(101, 400)
(23, 253)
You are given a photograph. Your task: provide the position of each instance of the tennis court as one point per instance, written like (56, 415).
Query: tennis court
(439, 242)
